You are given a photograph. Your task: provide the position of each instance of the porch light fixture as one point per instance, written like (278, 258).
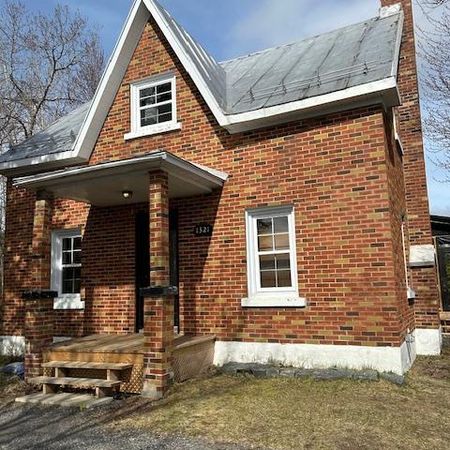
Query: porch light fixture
(127, 194)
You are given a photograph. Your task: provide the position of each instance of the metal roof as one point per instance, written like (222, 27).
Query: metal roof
(348, 57)
(330, 62)
(57, 138)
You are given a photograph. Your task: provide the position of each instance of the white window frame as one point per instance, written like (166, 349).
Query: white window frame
(63, 301)
(136, 129)
(270, 297)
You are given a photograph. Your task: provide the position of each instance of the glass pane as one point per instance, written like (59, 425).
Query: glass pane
(165, 97)
(265, 243)
(77, 273)
(166, 87)
(281, 224)
(67, 243)
(76, 286)
(284, 278)
(264, 226)
(67, 273)
(267, 262)
(147, 96)
(77, 243)
(149, 117)
(76, 257)
(67, 277)
(268, 279)
(164, 113)
(282, 241)
(67, 287)
(283, 261)
(67, 258)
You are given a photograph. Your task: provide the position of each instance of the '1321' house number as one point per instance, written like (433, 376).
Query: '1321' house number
(203, 230)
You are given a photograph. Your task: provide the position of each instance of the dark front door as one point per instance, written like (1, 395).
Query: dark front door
(443, 251)
(143, 262)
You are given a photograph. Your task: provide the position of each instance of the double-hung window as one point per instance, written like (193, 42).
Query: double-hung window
(153, 107)
(271, 258)
(66, 269)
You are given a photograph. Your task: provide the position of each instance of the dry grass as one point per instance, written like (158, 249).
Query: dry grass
(306, 414)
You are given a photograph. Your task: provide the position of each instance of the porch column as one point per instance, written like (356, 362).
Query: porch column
(39, 300)
(159, 299)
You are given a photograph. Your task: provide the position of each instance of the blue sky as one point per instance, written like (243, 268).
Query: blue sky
(235, 27)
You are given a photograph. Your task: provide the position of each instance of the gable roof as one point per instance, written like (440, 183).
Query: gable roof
(326, 73)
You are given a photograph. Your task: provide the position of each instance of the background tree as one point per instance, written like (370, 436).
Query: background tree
(434, 44)
(49, 64)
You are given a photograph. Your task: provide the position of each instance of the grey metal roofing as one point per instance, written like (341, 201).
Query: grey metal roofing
(348, 57)
(57, 138)
(343, 58)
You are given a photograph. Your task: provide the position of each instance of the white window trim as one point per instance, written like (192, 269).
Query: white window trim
(270, 297)
(137, 130)
(63, 301)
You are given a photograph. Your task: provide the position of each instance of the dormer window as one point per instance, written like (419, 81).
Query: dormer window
(153, 107)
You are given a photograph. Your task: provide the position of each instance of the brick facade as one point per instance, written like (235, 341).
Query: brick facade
(343, 174)
(410, 129)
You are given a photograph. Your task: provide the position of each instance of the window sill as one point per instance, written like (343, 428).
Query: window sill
(163, 128)
(69, 302)
(274, 302)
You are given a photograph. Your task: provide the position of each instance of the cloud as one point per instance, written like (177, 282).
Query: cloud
(277, 22)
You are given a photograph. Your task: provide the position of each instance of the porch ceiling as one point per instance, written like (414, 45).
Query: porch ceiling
(103, 184)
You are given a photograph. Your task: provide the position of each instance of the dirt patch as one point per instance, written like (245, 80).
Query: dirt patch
(306, 414)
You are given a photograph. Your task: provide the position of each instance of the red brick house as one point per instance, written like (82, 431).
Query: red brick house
(275, 204)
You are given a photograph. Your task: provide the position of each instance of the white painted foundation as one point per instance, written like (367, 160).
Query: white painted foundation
(310, 356)
(428, 342)
(12, 345)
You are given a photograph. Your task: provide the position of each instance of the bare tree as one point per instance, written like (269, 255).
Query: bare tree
(434, 42)
(48, 66)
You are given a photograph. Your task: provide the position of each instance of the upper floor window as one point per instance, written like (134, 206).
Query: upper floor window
(153, 107)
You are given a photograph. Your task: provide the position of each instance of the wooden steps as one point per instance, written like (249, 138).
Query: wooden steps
(102, 387)
(112, 369)
(64, 399)
(86, 365)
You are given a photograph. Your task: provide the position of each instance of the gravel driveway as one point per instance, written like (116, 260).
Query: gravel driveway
(28, 427)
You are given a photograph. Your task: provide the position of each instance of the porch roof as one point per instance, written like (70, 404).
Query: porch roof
(103, 184)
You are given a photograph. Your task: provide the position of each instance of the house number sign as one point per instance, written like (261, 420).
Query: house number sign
(203, 229)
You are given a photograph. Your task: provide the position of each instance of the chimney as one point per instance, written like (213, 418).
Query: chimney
(423, 271)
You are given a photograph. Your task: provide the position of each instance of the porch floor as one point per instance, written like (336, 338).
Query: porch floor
(128, 343)
(191, 356)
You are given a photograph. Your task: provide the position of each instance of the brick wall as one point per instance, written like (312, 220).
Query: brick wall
(334, 170)
(410, 130)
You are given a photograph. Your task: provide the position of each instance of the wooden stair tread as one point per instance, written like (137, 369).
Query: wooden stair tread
(75, 382)
(65, 399)
(86, 365)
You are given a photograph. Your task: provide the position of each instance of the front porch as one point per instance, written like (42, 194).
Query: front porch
(191, 356)
(144, 363)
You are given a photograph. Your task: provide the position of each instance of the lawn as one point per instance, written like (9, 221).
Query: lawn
(289, 413)
(307, 414)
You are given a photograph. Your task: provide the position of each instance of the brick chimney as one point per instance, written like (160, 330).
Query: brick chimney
(423, 270)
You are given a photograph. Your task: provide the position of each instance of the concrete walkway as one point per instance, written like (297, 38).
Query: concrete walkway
(29, 427)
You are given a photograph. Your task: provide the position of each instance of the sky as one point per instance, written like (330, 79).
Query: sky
(236, 27)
